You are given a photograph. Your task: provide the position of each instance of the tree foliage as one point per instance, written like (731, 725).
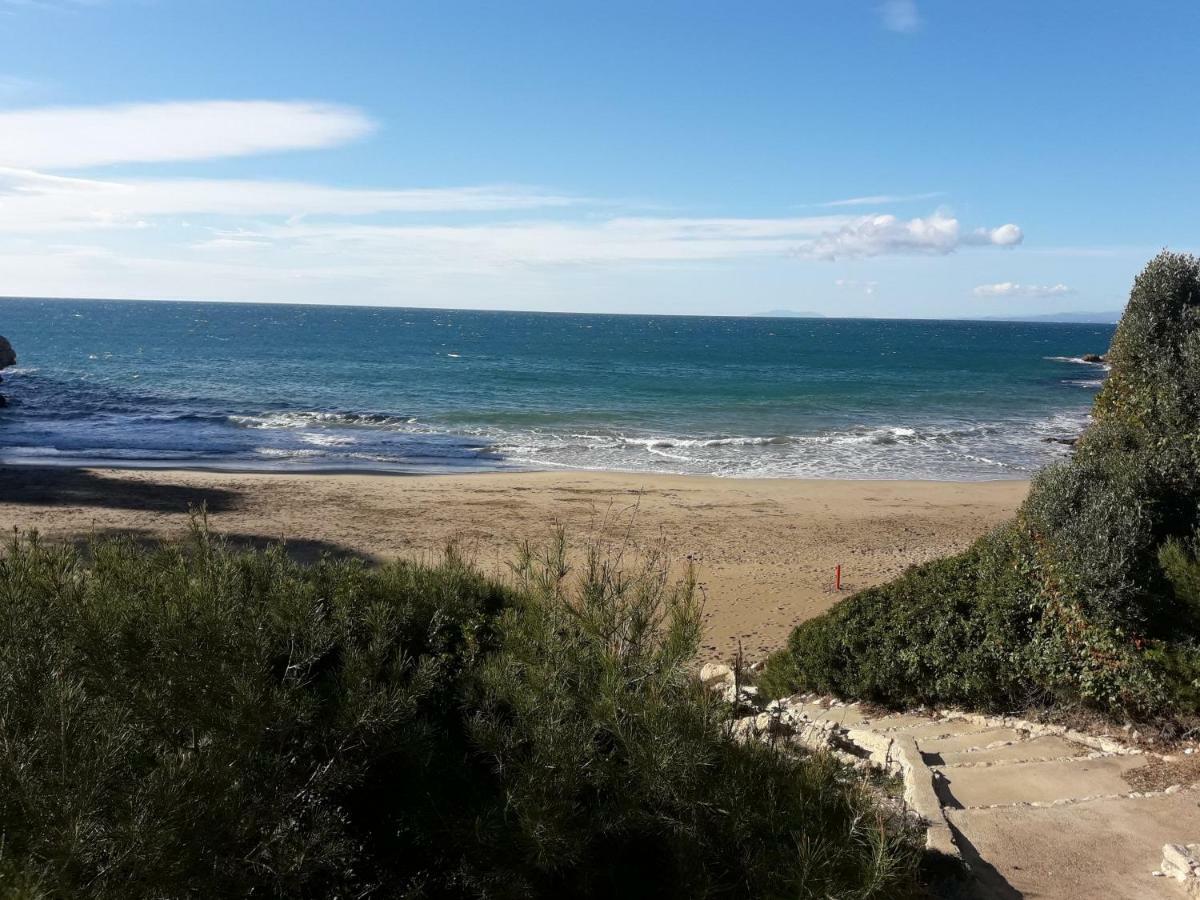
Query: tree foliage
(1085, 595)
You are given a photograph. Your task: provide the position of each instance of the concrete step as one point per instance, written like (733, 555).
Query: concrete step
(1097, 848)
(1034, 782)
(1040, 749)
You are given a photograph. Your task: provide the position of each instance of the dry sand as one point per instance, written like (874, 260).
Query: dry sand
(766, 549)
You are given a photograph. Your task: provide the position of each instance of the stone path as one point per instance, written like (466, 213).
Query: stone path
(1034, 811)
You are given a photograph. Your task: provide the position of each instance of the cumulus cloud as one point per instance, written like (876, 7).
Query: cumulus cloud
(1004, 236)
(56, 138)
(900, 15)
(1012, 289)
(881, 235)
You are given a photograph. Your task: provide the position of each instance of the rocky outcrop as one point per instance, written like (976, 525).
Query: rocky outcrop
(1182, 862)
(1092, 358)
(8, 357)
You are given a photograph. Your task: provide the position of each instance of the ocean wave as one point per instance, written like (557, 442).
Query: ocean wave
(655, 443)
(309, 419)
(921, 450)
(180, 433)
(1080, 361)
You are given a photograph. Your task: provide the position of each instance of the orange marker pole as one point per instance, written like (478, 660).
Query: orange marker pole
(837, 579)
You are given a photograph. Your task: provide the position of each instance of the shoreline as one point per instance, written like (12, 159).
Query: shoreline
(464, 472)
(765, 548)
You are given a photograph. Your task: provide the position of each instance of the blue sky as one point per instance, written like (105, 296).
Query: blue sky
(925, 158)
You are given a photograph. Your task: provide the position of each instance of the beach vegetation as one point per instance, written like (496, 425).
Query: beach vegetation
(195, 720)
(1091, 595)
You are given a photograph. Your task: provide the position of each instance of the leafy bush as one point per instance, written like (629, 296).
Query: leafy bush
(196, 721)
(919, 639)
(1085, 596)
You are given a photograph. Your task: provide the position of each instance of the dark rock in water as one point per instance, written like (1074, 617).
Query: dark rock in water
(1069, 441)
(8, 357)
(1092, 357)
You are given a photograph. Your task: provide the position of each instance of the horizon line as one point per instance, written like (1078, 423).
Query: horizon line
(766, 314)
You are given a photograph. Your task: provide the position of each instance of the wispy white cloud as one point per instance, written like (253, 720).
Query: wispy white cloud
(1012, 289)
(37, 201)
(851, 284)
(314, 259)
(882, 199)
(321, 218)
(628, 240)
(55, 138)
(900, 15)
(63, 233)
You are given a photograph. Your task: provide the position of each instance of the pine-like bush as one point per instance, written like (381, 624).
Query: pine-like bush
(194, 721)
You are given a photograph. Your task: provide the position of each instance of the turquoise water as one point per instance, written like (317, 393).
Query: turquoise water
(303, 387)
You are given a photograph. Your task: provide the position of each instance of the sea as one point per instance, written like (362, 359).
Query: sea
(334, 388)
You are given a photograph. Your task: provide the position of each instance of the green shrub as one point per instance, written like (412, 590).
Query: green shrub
(919, 639)
(1087, 596)
(1180, 561)
(193, 721)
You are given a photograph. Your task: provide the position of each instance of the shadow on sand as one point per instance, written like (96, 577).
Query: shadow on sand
(82, 487)
(301, 550)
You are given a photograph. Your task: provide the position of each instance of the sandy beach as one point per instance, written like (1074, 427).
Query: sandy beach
(766, 549)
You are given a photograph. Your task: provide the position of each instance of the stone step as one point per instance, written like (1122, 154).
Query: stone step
(904, 722)
(1040, 749)
(1034, 782)
(968, 740)
(851, 716)
(929, 729)
(1096, 848)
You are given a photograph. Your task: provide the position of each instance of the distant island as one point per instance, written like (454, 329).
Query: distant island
(1098, 318)
(789, 314)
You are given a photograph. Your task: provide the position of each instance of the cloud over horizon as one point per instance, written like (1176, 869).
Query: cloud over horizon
(1013, 289)
(62, 232)
(937, 234)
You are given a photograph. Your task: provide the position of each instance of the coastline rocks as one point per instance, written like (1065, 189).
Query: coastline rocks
(1093, 357)
(8, 357)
